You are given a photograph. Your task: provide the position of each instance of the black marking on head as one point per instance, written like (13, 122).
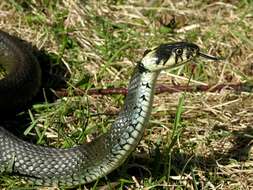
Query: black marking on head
(176, 59)
(164, 51)
(141, 68)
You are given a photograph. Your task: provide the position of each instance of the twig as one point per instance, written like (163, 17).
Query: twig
(239, 87)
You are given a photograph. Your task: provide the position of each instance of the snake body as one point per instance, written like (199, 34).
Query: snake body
(90, 161)
(23, 76)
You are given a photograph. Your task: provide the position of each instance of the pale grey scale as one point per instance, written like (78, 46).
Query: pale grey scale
(133, 88)
(141, 112)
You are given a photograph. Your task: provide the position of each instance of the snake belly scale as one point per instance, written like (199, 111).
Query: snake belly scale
(90, 161)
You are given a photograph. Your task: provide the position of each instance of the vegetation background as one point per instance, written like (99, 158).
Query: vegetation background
(195, 140)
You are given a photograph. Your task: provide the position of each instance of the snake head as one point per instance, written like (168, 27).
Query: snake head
(171, 55)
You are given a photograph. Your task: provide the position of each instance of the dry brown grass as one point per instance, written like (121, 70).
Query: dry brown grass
(105, 39)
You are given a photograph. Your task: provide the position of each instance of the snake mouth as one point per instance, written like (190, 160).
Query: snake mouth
(210, 57)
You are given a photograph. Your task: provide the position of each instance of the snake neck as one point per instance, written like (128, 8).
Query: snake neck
(130, 123)
(128, 128)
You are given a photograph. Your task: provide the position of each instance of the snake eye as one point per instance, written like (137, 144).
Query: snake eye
(179, 51)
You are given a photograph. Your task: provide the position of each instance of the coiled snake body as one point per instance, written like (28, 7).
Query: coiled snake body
(90, 161)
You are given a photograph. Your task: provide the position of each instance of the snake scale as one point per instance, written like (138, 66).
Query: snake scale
(90, 161)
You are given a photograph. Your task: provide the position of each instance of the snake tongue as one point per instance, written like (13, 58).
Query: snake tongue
(210, 57)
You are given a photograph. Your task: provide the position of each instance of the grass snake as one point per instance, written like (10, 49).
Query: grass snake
(90, 161)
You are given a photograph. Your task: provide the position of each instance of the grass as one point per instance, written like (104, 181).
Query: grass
(200, 141)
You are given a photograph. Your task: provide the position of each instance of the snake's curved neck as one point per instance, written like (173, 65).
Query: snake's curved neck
(128, 128)
(131, 122)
